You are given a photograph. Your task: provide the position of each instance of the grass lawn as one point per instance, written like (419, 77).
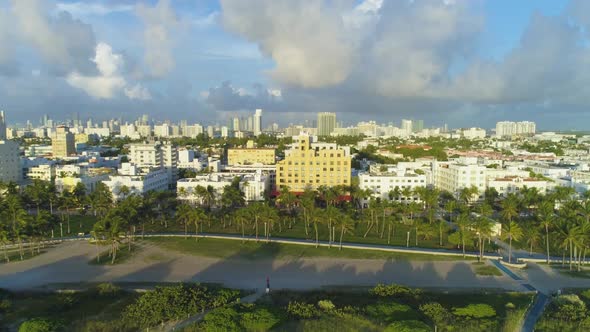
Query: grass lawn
(252, 250)
(482, 269)
(78, 224)
(574, 273)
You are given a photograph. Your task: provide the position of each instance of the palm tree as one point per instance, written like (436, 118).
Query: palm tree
(511, 231)
(532, 236)
(547, 220)
(570, 234)
(509, 207)
(111, 229)
(183, 215)
(483, 228)
(463, 223)
(198, 216)
(466, 194)
(328, 217)
(450, 207)
(242, 217)
(346, 225)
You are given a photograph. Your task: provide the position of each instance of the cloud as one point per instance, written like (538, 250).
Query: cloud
(63, 42)
(8, 63)
(306, 39)
(109, 82)
(93, 8)
(228, 98)
(160, 24)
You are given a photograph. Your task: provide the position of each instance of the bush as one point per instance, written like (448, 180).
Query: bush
(176, 302)
(301, 310)
(107, 289)
(389, 312)
(586, 295)
(479, 310)
(408, 326)
(40, 325)
(5, 305)
(259, 320)
(220, 319)
(326, 305)
(436, 312)
(394, 290)
(568, 308)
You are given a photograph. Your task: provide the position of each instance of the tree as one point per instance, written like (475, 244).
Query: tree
(346, 225)
(547, 221)
(183, 215)
(532, 237)
(242, 217)
(466, 194)
(509, 207)
(511, 231)
(483, 228)
(463, 223)
(110, 228)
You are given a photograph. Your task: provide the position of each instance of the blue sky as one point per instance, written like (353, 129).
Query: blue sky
(465, 63)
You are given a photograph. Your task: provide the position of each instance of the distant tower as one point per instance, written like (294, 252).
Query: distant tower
(2, 126)
(257, 122)
(326, 123)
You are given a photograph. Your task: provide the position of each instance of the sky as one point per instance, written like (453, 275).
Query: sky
(460, 62)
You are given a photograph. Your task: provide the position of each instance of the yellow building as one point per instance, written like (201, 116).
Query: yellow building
(63, 142)
(250, 155)
(81, 138)
(311, 165)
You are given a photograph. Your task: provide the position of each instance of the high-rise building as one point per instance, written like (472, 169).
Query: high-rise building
(10, 168)
(250, 125)
(158, 155)
(236, 124)
(407, 127)
(509, 128)
(63, 142)
(326, 123)
(257, 122)
(311, 165)
(417, 126)
(2, 125)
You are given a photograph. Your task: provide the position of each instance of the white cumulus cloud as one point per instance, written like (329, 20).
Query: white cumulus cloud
(110, 81)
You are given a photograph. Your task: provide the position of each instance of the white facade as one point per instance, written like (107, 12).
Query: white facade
(509, 128)
(474, 133)
(326, 123)
(257, 125)
(42, 172)
(157, 155)
(10, 166)
(252, 185)
(514, 184)
(382, 184)
(138, 181)
(102, 132)
(453, 177)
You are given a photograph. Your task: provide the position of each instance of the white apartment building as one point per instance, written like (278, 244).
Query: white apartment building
(514, 184)
(383, 183)
(38, 150)
(42, 172)
(68, 176)
(256, 126)
(192, 131)
(156, 155)
(187, 159)
(454, 176)
(139, 181)
(10, 165)
(509, 128)
(473, 133)
(252, 185)
(102, 132)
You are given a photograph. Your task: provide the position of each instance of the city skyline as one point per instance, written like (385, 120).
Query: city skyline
(470, 63)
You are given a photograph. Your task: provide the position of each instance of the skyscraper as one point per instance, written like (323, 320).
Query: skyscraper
(257, 125)
(2, 126)
(407, 127)
(236, 124)
(63, 142)
(326, 123)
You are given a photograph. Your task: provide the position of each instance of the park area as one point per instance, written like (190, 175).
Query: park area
(211, 307)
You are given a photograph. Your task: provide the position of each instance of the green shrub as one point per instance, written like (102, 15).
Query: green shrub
(569, 308)
(408, 326)
(391, 311)
(259, 320)
(326, 305)
(107, 289)
(479, 310)
(221, 319)
(40, 325)
(586, 294)
(438, 314)
(5, 305)
(301, 310)
(394, 290)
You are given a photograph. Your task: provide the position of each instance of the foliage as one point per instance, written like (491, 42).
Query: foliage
(40, 325)
(107, 289)
(394, 290)
(302, 310)
(259, 320)
(168, 303)
(479, 310)
(390, 311)
(326, 305)
(408, 326)
(221, 319)
(568, 308)
(436, 313)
